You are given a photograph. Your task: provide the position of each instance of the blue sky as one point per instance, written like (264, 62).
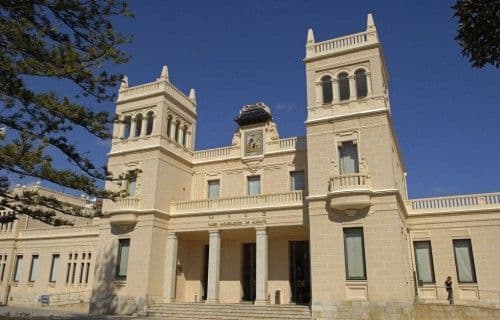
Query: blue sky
(446, 114)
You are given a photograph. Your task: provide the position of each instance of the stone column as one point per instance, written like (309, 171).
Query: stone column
(132, 128)
(171, 267)
(336, 93)
(319, 93)
(368, 84)
(262, 266)
(213, 267)
(352, 87)
(144, 126)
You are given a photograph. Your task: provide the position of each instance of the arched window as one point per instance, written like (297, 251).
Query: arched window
(361, 83)
(326, 88)
(177, 131)
(126, 127)
(138, 125)
(169, 126)
(149, 123)
(344, 91)
(184, 135)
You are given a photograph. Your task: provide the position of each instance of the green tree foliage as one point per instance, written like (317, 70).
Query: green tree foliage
(69, 41)
(479, 31)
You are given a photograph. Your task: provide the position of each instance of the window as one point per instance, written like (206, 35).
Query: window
(464, 261)
(348, 158)
(361, 83)
(122, 261)
(253, 185)
(73, 272)
(3, 272)
(213, 189)
(87, 273)
(19, 267)
(149, 123)
(354, 254)
(327, 90)
(126, 128)
(423, 258)
(343, 81)
(54, 268)
(68, 272)
(138, 125)
(131, 184)
(297, 181)
(169, 126)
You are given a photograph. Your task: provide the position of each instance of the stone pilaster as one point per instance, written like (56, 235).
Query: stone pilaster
(171, 267)
(213, 267)
(262, 266)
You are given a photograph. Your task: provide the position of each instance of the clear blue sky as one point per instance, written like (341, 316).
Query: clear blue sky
(446, 114)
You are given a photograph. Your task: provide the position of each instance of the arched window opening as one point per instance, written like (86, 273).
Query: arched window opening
(326, 88)
(126, 127)
(149, 123)
(169, 126)
(344, 91)
(184, 135)
(361, 83)
(177, 129)
(138, 125)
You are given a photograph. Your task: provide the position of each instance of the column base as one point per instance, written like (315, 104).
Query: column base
(212, 301)
(260, 302)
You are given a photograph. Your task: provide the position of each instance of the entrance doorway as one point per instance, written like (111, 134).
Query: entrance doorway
(248, 271)
(300, 272)
(204, 279)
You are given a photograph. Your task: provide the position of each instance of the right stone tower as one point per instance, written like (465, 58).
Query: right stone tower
(356, 178)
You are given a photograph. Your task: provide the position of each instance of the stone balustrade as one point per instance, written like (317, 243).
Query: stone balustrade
(454, 203)
(244, 202)
(346, 182)
(216, 154)
(287, 144)
(341, 44)
(156, 87)
(127, 203)
(59, 232)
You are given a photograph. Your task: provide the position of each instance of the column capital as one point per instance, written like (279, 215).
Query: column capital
(213, 231)
(172, 235)
(261, 229)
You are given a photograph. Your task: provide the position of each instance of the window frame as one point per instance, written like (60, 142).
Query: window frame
(208, 189)
(339, 152)
(348, 278)
(326, 83)
(248, 184)
(118, 259)
(431, 262)
(18, 268)
(343, 83)
(52, 276)
(361, 75)
(471, 260)
(291, 174)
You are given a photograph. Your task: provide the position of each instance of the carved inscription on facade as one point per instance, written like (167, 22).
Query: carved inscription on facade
(237, 223)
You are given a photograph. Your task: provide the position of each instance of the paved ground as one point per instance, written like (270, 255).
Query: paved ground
(46, 313)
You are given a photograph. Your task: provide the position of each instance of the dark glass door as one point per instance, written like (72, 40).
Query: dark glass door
(204, 279)
(249, 272)
(300, 275)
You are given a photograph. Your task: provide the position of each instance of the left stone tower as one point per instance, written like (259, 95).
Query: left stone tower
(153, 145)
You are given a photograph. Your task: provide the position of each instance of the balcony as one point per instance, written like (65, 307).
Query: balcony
(350, 192)
(459, 203)
(244, 203)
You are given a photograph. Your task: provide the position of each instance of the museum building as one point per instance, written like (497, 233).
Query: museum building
(322, 220)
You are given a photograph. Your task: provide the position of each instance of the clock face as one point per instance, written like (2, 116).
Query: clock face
(253, 143)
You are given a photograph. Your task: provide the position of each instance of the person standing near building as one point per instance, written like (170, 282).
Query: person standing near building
(448, 285)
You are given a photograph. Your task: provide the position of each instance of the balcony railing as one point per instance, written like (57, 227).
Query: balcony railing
(127, 203)
(236, 203)
(346, 182)
(452, 203)
(341, 44)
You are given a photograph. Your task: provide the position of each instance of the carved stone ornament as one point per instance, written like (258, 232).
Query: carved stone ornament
(236, 139)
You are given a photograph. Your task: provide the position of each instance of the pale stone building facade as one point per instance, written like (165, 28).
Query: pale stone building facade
(322, 220)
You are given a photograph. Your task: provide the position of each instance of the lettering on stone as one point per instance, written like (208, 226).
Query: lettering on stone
(237, 223)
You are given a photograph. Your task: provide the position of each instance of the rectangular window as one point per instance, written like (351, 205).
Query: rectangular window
(68, 272)
(33, 268)
(423, 258)
(253, 185)
(19, 267)
(131, 185)
(82, 265)
(122, 261)
(348, 158)
(297, 180)
(54, 268)
(3, 272)
(213, 189)
(87, 273)
(354, 254)
(73, 273)
(464, 261)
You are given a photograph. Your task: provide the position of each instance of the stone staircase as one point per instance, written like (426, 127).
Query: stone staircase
(204, 311)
